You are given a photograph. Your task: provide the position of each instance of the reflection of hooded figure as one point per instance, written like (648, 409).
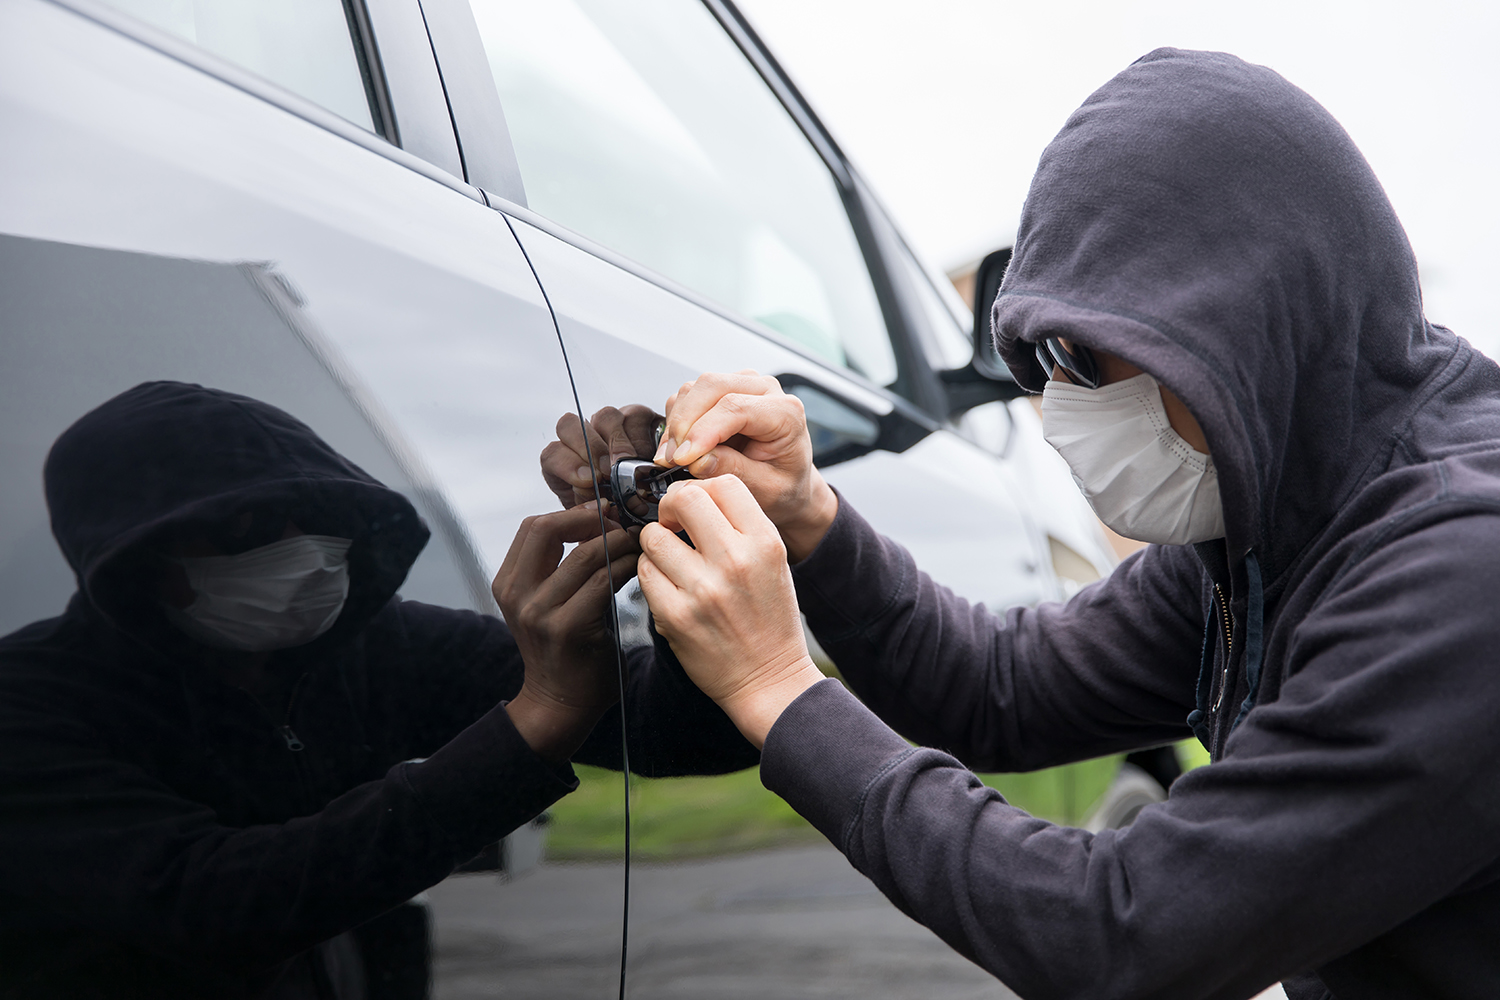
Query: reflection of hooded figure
(1209, 223)
(163, 833)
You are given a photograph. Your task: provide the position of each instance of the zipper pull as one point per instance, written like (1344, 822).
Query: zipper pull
(292, 742)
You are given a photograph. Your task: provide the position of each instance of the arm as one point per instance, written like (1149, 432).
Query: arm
(92, 842)
(1362, 796)
(1113, 669)
(102, 830)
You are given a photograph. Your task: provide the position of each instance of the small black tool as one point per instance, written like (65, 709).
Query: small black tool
(636, 486)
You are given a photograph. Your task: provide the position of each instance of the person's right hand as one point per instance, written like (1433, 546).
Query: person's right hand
(613, 434)
(746, 425)
(555, 608)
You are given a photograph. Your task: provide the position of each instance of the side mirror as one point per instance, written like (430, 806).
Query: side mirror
(986, 378)
(987, 361)
(840, 430)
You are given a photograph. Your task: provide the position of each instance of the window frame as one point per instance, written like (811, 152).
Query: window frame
(398, 66)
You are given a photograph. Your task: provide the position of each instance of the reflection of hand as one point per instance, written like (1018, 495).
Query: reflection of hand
(612, 435)
(745, 425)
(556, 608)
(726, 604)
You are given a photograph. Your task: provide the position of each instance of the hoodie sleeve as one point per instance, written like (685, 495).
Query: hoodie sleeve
(1113, 669)
(91, 841)
(454, 664)
(1363, 795)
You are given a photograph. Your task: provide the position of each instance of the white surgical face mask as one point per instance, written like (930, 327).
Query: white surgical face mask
(1139, 475)
(280, 595)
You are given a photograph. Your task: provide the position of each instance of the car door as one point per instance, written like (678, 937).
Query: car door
(270, 199)
(684, 215)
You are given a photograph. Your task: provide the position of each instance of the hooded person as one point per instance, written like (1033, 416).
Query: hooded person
(1318, 611)
(237, 745)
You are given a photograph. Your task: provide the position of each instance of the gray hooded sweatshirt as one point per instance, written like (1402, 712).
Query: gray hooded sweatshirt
(1338, 651)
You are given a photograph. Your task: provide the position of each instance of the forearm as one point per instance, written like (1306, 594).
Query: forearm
(1034, 688)
(1240, 880)
(139, 863)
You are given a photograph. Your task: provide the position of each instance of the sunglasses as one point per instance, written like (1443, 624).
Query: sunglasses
(1076, 360)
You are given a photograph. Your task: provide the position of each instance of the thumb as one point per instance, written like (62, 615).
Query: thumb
(725, 461)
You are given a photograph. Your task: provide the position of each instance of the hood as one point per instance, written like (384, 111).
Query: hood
(1212, 224)
(165, 454)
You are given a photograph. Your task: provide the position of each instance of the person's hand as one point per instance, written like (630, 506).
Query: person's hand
(726, 603)
(629, 432)
(745, 425)
(556, 608)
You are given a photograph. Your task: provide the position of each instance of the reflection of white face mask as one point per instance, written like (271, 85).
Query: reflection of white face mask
(280, 595)
(1139, 475)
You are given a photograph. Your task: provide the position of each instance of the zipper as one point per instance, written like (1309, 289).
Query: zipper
(295, 744)
(1228, 620)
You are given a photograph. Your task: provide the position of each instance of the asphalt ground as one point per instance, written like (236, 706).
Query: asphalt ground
(792, 923)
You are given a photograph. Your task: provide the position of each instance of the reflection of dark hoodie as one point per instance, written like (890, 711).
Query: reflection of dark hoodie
(164, 834)
(1212, 224)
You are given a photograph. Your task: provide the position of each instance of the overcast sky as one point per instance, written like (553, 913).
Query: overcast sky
(945, 106)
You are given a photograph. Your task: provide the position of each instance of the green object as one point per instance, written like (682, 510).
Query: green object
(724, 814)
(674, 817)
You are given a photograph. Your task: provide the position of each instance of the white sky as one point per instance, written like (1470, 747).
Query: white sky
(945, 106)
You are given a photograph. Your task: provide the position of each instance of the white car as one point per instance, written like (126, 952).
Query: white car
(428, 228)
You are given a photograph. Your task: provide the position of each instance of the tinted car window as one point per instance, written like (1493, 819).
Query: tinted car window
(302, 45)
(946, 336)
(643, 127)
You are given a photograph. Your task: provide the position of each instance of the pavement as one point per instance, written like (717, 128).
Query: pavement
(792, 923)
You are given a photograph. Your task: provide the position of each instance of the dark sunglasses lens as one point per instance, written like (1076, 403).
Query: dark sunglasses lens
(1078, 362)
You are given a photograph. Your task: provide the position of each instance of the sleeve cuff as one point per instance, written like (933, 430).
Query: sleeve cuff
(824, 752)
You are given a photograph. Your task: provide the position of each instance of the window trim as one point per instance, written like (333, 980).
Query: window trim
(257, 86)
(371, 70)
(489, 158)
(398, 37)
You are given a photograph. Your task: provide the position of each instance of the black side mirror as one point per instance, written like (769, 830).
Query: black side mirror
(986, 378)
(840, 430)
(987, 361)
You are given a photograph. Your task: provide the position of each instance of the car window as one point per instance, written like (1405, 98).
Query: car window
(643, 127)
(305, 46)
(945, 336)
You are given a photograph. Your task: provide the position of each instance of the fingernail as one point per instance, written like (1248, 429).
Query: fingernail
(668, 446)
(707, 465)
(682, 452)
(584, 475)
(591, 505)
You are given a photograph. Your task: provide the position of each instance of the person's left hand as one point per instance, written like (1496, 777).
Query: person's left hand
(555, 609)
(612, 434)
(726, 604)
